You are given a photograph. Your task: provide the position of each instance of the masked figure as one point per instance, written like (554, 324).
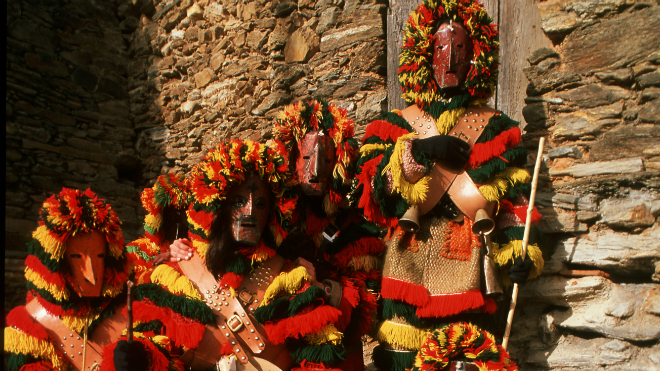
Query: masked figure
(76, 271)
(241, 201)
(166, 203)
(328, 305)
(437, 174)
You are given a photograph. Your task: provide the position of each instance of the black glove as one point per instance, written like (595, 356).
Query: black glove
(520, 269)
(130, 356)
(443, 147)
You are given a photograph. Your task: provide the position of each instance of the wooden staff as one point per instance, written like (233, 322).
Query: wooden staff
(528, 224)
(129, 311)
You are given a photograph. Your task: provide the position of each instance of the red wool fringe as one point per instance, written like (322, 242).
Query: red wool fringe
(203, 218)
(159, 361)
(490, 306)
(21, 319)
(181, 330)
(430, 305)
(38, 366)
(363, 246)
(37, 266)
(310, 366)
(353, 361)
(314, 223)
(302, 324)
(231, 279)
(371, 208)
(521, 211)
(483, 152)
(349, 300)
(384, 130)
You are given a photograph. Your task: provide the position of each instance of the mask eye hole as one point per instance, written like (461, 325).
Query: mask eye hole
(76, 256)
(261, 203)
(459, 45)
(101, 255)
(306, 157)
(239, 201)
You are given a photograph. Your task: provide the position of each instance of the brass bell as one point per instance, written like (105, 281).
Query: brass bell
(409, 222)
(483, 224)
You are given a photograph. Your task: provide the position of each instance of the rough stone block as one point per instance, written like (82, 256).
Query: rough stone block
(650, 112)
(624, 166)
(594, 95)
(204, 77)
(541, 54)
(335, 39)
(301, 46)
(47, 65)
(631, 212)
(275, 99)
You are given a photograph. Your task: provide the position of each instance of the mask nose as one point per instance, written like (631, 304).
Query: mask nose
(452, 56)
(314, 164)
(248, 206)
(88, 271)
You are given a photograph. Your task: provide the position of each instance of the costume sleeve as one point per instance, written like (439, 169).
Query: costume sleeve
(496, 165)
(27, 345)
(388, 177)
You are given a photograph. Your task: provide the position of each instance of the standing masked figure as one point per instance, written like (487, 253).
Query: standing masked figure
(76, 271)
(329, 304)
(432, 174)
(242, 200)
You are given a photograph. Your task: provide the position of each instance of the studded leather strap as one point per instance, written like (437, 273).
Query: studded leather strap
(231, 317)
(66, 340)
(444, 178)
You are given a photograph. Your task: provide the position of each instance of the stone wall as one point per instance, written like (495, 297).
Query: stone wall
(68, 122)
(595, 97)
(203, 72)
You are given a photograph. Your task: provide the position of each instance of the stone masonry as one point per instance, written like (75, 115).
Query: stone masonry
(595, 97)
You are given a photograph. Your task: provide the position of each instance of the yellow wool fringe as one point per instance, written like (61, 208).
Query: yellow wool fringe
(404, 336)
(364, 262)
(50, 244)
(74, 322)
(146, 245)
(174, 281)
(59, 293)
(502, 181)
(153, 221)
(194, 224)
(448, 119)
(413, 193)
(289, 282)
(468, 334)
(504, 254)
(368, 148)
(18, 342)
(201, 248)
(112, 291)
(328, 335)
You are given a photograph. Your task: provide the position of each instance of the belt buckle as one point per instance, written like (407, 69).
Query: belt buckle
(233, 319)
(246, 296)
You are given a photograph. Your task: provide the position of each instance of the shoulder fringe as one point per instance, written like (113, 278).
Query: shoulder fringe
(401, 335)
(288, 281)
(18, 342)
(167, 276)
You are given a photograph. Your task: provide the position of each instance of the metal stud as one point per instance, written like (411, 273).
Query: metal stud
(217, 297)
(251, 309)
(238, 350)
(233, 343)
(424, 133)
(226, 304)
(482, 120)
(428, 127)
(247, 323)
(207, 291)
(242, 314)
(219, 309)
(71, 345)
(417, 117)
(481, 126)
(412, 122)
(256, 301)
(215, 287)
(215, 304)
(474, 120)
(224, 327)
(79, 353)
(465, 120)
(256, 338)
(261, 344)
(420, 125)
(61, 345)
(243, 357)
(469, 126)
(78, 337)
(252, 330)
(64, 352)
(223, 299)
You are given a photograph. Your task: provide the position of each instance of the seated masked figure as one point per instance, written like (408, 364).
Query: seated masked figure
(449, 167)
(76, 305)
(166, 203)
(323, 317)
(242, 200)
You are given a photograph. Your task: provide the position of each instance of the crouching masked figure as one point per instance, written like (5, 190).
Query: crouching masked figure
(76, 272)
(444, 165)
(242, 200)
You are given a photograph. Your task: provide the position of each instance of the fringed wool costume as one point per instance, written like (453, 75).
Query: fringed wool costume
(170, 287)
(324, 331)
(168, 197)
(97, 321)
(431, 279)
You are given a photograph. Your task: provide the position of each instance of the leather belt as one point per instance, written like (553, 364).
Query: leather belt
(231, 317)
(445, 179)
(71, 344)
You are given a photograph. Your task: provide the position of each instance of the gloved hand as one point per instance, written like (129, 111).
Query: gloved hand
(443, 147)
(130, 356)
(520, 269)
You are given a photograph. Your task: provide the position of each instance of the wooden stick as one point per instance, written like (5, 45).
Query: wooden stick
(528, 224)
(129, 311)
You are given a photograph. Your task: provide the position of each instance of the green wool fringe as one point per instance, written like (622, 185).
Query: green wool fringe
(509, 234)
(439, 107)
(34, 248)
(327, 354)
(391, 308)
(187, 307)
(137, 251)
(396, 119)
(238, 264)
(516, 157)
(390, 360)
(392, 206)
(17, 360)
(305, 298)
(154, 326)
(496, 125)
(519, 190)
(276, 309)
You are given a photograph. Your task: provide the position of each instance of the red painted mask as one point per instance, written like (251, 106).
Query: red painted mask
(452, 53)
(315, 162)
(85, 254)
(249, 209)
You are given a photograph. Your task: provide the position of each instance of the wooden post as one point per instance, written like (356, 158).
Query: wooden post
(528, 225)
(129, 310)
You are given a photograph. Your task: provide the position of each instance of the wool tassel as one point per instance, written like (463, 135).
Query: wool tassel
(413, 193)
(328, 335)
(448, 119)
(302, 324)
(449, 304)
(505, 254)
(18, 342)
(396, 289)
(289, 282)
(401, 335)
(166, 276)
(50, 244)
